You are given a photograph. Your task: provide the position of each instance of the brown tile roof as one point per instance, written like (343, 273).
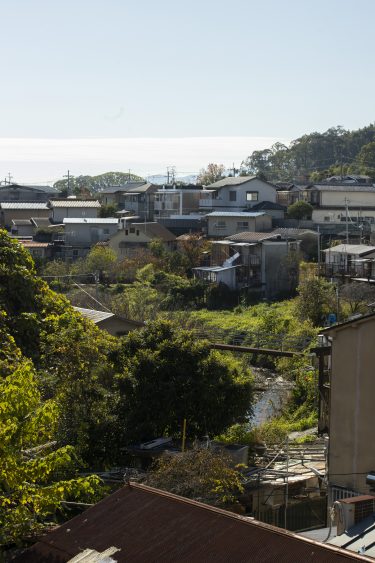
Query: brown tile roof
(148, 525)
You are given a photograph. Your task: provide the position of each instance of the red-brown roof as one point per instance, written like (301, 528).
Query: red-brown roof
(149, 525)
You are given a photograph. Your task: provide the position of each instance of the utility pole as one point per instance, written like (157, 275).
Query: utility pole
(68, 176)
(129, 175)
(318, 251)
(287, 483)
(9, 178)
(171, 174)
(346, 221)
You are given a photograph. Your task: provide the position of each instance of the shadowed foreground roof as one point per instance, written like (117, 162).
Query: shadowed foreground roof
(148, 525)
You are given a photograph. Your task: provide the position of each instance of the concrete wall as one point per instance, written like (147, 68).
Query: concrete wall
(338, 215)
(351, 452)
(261, 223)
(61, 213)
(357, 199)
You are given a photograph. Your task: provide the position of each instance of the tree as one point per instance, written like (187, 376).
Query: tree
(357, 296)
(30, 491)
(366, 159)
(108, 210)
(100, 259)
(300, 210)
(316, 298)
(200, 474)
(211, 174)
(168, 375)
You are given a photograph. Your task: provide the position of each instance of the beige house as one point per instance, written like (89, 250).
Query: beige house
(127, 242)
(72, 208)
(351, 392)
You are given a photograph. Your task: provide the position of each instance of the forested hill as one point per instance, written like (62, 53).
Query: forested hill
(84, 185)
(316, 156)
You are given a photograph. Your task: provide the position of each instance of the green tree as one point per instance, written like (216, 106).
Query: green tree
(300, 210)
(30, 491)
(316, 298)
(108, 210)
(169, 375)
(100, 259)
(211, 174)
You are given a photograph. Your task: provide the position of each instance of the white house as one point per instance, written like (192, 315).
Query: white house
(352, 259)
(236, 194)
(225, 223)
(73, 208)
(87, 232)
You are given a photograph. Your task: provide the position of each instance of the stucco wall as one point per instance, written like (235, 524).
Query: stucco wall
(261, 223)
(351, 451)
(61, 213)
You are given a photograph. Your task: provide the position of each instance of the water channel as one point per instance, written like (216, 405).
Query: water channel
(271, 394)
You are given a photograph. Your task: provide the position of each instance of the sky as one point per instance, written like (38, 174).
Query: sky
(240, 74)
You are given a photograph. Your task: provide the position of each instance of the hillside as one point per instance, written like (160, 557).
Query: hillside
(84, 185)
(316, 156)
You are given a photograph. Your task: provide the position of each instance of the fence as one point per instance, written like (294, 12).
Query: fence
(301, 516)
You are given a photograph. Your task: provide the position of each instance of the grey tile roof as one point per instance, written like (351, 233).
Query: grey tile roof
(47, 189)
(342, 188)
(73, 203)
(232, 181)
(124, 188)
(23, 205)
(268, 205)
(154, 230)
(249, 236)
(358, 249)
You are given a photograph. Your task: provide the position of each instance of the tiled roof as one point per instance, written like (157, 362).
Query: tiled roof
(343, 188)
(268, 205)
(293, 231)
(149, 525)
(124, 188)
(46, 189)
(33, 244)
(232, 181)
(74, 203)
(235, 214)
(23, 205)
(249, 236)
(154, 230)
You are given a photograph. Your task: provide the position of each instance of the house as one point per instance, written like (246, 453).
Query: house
(347, 390)
(19, 192)
(356, 260)
(142, 524)
(114, 195)
(22, 228)
(39, 250)
(174, 201)
(10, 211)
(309, 239)
(332, 203)
(140, 201)
(114, 324)
(264, 263)
(85, 232)
(127, 242)
(238, 193)
(72, 208)
(225, 223)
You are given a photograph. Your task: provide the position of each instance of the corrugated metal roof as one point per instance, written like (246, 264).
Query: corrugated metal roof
(149, 525)
(90, 220)
(23, 205)
(93, 315)
(359, 249)
(73, 203)
(235, 214)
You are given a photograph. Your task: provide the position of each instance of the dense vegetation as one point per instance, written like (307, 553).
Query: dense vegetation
(73, 396)
(316, 156)
(86, 185)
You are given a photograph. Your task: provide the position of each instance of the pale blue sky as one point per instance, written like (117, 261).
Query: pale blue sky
(163, 68)
(171, 69)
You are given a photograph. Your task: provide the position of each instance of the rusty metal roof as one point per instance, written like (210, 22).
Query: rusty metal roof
(148, 525)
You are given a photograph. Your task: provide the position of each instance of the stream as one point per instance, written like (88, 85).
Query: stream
(271, 393)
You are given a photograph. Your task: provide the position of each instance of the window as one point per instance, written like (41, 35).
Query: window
(242, 224)
(221, 225)
(132, 230)
(137, 233)
(232, 196)
(126, 232)
(252, 196)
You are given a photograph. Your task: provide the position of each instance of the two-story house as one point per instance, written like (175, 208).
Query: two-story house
(23, 193)
(357, 260)
(21, 210)
(136, 237)
(263, 263)
(82, 233)
(238, 193)
(173, 201)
